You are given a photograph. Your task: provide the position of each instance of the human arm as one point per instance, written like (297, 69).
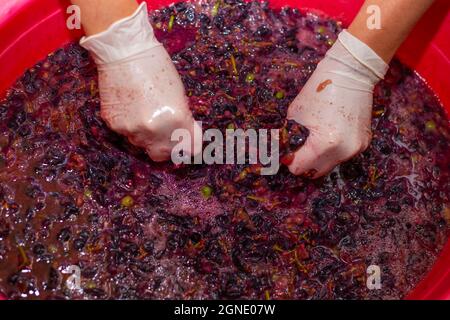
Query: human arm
(142, 95)
(336, 102)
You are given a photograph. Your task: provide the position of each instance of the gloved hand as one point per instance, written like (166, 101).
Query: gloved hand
(336, 106)
(142, 95)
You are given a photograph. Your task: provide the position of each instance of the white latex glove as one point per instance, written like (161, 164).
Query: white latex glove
(142, 95)
(336, 106)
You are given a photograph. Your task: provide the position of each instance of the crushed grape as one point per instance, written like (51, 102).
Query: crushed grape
(73, 193)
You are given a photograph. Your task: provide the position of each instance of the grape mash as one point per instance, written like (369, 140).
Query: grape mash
(74, 193)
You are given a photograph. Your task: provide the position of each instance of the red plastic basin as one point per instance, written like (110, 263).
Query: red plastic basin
(30, 29)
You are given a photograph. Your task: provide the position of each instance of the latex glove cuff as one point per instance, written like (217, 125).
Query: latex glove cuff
(123, 39)
(359, 62)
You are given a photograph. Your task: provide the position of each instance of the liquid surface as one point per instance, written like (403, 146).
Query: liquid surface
(73, 193)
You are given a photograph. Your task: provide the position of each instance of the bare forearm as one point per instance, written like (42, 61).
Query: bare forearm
(98, 15)
(398, 18)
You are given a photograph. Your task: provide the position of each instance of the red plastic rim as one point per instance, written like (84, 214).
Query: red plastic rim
(30, 29)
